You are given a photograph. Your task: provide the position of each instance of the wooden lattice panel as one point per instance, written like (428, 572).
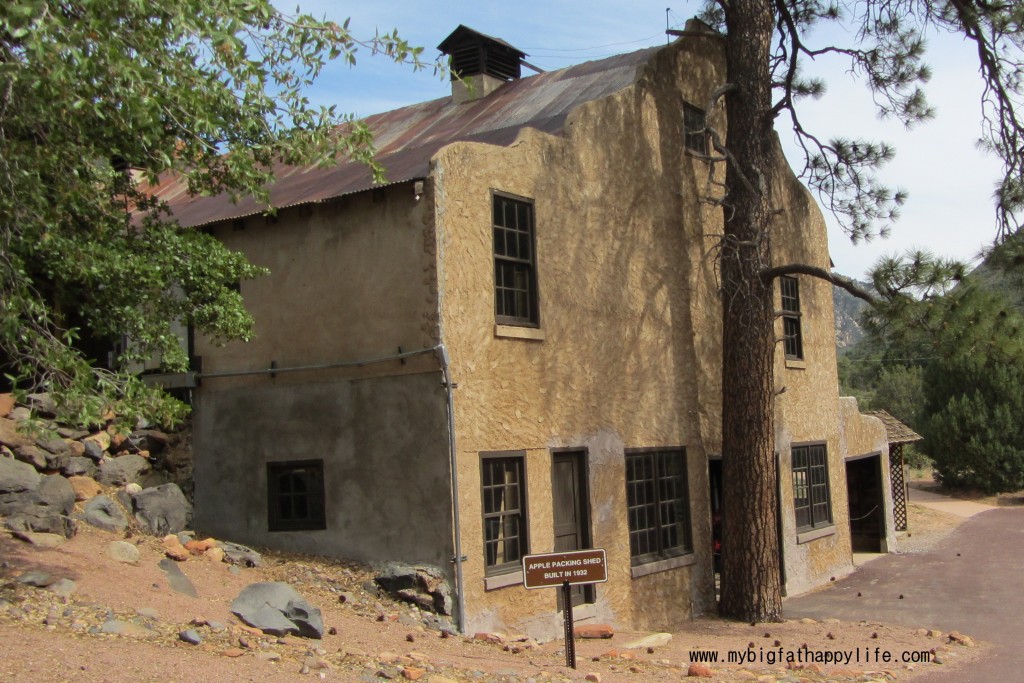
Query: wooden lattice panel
(899, 487)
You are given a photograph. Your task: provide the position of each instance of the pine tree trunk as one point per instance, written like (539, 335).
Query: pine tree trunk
(750, 588)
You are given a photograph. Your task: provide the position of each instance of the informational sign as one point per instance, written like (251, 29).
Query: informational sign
(552, 570)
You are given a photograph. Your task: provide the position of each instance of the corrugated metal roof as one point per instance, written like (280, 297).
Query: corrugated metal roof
(407, 138)
(896, 432)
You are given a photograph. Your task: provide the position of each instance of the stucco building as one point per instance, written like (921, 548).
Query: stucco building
(514, 347)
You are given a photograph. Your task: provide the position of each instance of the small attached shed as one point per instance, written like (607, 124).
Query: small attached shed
(898, 435)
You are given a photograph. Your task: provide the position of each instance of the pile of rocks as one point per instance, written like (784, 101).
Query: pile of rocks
(41, 477)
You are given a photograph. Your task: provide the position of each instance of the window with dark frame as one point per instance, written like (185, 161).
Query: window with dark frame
(515, 263)
(504, 513)
(295, 495)
(658, 504)
(811, 499)
(792, 334)
(695, 129)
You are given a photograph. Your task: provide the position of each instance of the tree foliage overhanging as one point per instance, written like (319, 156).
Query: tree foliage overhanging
(768, 44)
(98, 99)
(965, 346)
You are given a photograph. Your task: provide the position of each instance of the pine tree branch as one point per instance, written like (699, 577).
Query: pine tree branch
(840, 281)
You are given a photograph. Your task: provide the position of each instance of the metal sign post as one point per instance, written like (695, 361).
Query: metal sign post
(552, 570)
(570, 642)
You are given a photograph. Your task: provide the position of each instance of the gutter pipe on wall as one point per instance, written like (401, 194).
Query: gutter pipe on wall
(323, 366)
(442, 356)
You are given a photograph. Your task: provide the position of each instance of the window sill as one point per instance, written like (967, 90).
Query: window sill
(663, 565)
(815, 534)
(516, 332)
(795, 364)
(503, 580)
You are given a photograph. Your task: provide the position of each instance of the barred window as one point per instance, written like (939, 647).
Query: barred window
(792, 334)
(811, 499)
(658, 504)
(504, 513)
(295, 495)
(515, 265)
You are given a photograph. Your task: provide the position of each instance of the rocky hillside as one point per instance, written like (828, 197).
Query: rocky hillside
(848, 309)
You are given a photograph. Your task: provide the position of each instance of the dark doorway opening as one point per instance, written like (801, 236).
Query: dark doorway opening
(571, 506)
(867, 507)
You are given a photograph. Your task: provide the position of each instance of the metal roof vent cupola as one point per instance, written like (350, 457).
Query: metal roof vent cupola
(480, 64)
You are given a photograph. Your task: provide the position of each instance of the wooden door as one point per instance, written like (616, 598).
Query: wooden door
(571, 507)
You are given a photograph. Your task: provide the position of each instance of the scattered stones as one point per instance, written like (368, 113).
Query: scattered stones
(650, 641)
(190, 636)
(593, 631)
(174, 549)
(233, 652)
(85, 488)
(957, 637)
(65, 588)
(126, 628)
(102, 512)
(40, 540)
(276, 608)
(37, 579)
(699, 670)
(423, 586)
(162, 509)
(593, 677)
(7, 404)
(123, 551)
(123, 469)
(239, 554)
(79, 466)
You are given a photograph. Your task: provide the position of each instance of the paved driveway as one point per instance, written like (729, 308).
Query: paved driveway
(972, 581)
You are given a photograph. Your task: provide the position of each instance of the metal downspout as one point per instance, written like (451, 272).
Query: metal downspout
(442, 354)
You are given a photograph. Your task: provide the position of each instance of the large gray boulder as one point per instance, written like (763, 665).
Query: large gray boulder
(79, 466)
(16, 476)
(33, 503)
(56, 492)
(123, 470)
(162, 510)
(104, 513)
(276, 608)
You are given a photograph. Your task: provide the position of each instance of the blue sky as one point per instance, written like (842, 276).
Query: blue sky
(949, 181)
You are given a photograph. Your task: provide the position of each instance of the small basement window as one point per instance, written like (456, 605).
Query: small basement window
(295, 495)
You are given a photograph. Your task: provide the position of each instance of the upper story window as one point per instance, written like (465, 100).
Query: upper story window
(504, 512)
(792, 335)
(658, 505)
(811, 499)
(515, 263)
(696, 137)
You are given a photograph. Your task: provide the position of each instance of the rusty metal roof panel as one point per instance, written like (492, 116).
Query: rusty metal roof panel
(406, 139)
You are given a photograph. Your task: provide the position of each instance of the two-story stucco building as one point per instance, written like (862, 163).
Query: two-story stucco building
(514, 347)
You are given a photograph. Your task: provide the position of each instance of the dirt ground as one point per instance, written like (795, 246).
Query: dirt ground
(48, 637)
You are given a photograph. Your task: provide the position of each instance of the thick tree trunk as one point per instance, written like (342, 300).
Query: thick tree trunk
(750, 553)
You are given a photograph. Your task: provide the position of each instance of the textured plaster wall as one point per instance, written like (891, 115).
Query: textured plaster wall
(384, 446)
(807, 409)
(629, 319)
